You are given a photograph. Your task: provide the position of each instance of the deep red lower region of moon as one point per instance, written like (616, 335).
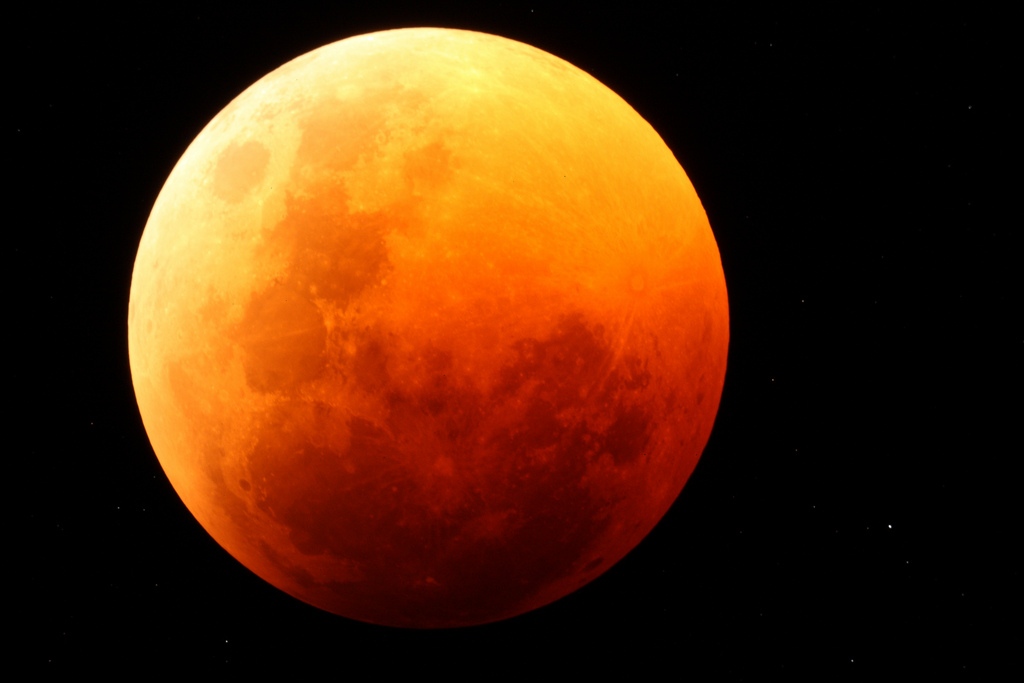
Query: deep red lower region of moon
(428, 328)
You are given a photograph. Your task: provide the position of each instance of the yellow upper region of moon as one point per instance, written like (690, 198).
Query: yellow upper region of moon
(428, 328)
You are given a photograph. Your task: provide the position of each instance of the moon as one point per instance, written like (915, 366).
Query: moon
(428, 328)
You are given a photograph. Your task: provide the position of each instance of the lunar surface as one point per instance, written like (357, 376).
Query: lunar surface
(428, 328)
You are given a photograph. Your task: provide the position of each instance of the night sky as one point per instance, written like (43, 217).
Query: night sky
(855, 511)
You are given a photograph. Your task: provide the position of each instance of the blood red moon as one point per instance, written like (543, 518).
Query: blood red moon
(428, 328)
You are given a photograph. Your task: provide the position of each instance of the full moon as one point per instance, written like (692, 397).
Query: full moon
(428, 328)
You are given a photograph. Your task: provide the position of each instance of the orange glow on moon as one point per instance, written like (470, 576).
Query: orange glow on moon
(428, 328)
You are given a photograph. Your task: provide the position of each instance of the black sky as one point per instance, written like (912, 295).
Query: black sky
(855, 509)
